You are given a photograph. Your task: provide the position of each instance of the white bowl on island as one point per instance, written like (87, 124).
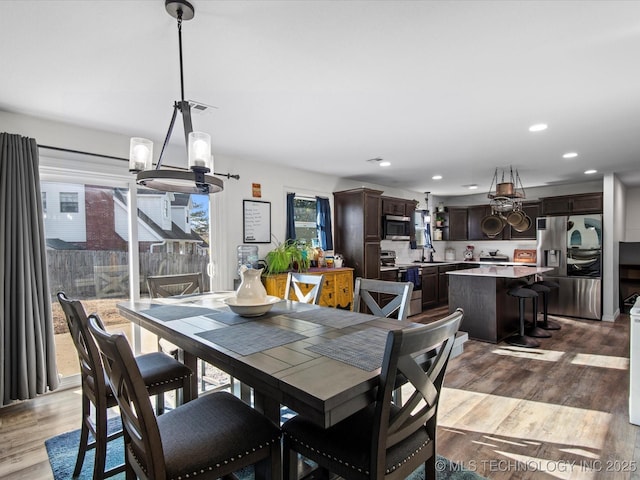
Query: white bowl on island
(245, 308)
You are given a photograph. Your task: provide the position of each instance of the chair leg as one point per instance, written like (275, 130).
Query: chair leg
(160, 403)
(430, 467)
(535, 330)
(522, 340)
(546, 323)
(84, 435)
(100, 443)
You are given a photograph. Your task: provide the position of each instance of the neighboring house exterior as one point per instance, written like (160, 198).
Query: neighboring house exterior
(85, 217)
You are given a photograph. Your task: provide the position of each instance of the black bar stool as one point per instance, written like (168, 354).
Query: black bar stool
(547, 324)
(520, 339)
(534, 330)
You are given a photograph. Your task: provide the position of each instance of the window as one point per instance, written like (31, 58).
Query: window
(69, 202)
(305, 214)
(44, 202)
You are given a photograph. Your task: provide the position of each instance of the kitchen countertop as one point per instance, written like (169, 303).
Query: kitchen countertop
(454, 262)
(499, 271)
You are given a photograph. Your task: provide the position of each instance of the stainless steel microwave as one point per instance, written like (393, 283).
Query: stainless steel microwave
(395, 227)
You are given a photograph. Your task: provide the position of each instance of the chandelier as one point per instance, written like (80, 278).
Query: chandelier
(198, 180)
(506, 205)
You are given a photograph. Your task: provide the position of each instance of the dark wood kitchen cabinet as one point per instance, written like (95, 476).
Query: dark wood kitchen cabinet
(443, 282)
(570, 204)
(357, 231)
(475, 215)
(429, 286)
(457, 221)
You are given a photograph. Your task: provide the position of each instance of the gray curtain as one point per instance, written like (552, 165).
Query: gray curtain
(27, 353)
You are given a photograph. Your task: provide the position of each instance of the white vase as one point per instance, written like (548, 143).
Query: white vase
(251, 290)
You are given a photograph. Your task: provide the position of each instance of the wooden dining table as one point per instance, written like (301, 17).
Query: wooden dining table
(321, 362)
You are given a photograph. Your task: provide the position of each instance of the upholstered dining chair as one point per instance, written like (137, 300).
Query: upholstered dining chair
(160, 373)
(210, 437)
(299, 283)
(162, 286)
(398, 307)
(384, 440)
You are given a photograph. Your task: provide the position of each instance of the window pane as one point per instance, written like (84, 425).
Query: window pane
(69, 202)
(305, 220)
(87, 258)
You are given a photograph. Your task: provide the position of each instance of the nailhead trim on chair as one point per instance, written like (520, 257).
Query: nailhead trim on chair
(218, 465)
(353, 467)
(167, 381)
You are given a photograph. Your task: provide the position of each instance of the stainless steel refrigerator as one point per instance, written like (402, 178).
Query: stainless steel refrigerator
(572, 245)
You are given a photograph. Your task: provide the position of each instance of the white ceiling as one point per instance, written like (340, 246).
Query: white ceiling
(434, 87)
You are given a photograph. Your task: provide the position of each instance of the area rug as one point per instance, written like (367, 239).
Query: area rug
(63, 449)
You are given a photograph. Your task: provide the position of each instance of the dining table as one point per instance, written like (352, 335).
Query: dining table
(323, 363)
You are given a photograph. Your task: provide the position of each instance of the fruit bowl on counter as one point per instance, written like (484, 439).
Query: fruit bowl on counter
(249, 309)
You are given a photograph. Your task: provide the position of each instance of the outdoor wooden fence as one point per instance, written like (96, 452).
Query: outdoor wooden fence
(98, 273)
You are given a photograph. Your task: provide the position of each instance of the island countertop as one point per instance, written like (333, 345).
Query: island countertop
(500, 271)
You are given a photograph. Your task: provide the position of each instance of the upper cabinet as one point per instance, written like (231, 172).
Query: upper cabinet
(398, 206)
(568, 204)
(357, 230)
(457, 221)
(475, 215)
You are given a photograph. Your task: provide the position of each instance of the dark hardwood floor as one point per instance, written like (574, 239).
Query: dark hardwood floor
(556, 412)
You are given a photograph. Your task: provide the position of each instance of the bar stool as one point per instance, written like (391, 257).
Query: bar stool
(534, 330)
(547, 324)
(520, 339)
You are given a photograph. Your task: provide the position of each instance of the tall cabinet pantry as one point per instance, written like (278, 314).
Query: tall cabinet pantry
(357, 231)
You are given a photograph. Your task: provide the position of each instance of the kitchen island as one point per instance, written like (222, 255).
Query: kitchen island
(490, 314)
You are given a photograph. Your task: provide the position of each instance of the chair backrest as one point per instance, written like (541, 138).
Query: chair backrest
(299, 283)
(169, 285)
(404, 357)
(141, 433)
(91, 370)
(399, 304)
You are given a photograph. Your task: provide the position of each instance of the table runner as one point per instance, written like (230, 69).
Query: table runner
(363, 349)
(250, 337)
(165, 313)
(327, 317)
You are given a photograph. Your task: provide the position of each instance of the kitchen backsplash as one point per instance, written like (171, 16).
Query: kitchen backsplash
(404, 254)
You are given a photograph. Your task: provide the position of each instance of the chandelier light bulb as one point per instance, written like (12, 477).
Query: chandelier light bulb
(200, 150)
(140, 154)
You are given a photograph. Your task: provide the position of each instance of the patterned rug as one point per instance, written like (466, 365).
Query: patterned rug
(63, 449)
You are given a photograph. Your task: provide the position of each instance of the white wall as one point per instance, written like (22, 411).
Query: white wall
(632, 215)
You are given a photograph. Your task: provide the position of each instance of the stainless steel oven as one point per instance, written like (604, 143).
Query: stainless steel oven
(413, 274)
(406, 273)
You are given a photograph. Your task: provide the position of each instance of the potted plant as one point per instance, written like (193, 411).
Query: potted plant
(439, 220)
(287, 256)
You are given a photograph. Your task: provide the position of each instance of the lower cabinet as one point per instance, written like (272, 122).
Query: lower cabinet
(337, 287)
(443, 282)
(429, 286)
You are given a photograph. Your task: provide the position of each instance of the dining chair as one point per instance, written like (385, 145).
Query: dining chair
(384, 440)
(299, 283)
(163, 286)
(400, 293)
(160, 373)
(210, 437)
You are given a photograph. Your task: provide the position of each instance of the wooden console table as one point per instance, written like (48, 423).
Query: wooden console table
(337, 288)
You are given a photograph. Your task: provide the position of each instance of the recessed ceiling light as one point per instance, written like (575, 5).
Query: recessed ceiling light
(436, 177)
(538, 127)
(570, 155)
(473, 187)
(384, 163)
(590, 172)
